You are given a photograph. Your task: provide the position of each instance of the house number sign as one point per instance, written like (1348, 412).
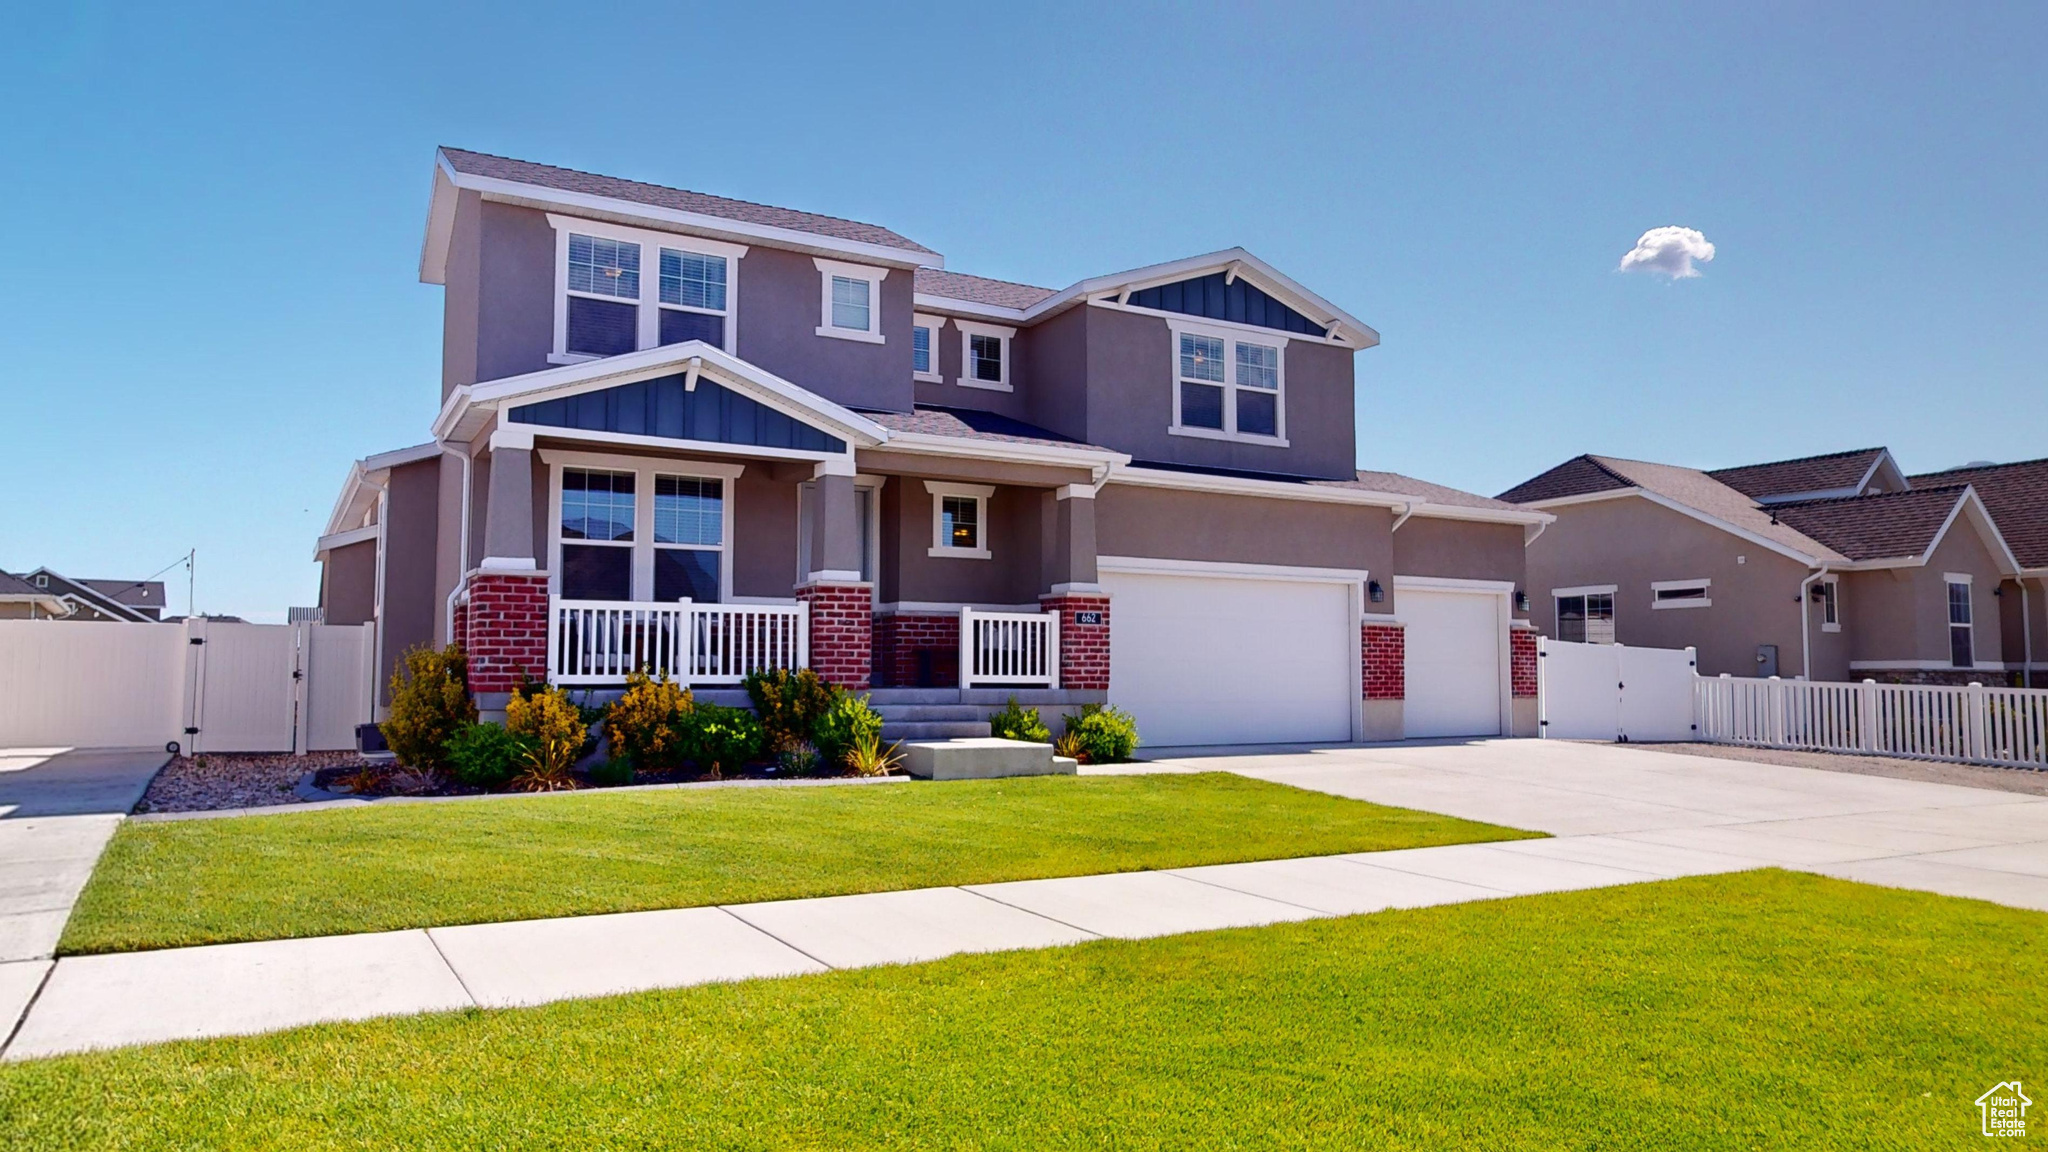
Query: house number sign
(1087, 617)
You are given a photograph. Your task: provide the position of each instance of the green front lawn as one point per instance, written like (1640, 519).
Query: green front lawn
(1760, 1010)
(165, 884)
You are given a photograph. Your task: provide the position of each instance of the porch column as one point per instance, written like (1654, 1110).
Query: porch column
(841, 604)
(1073, 588)
(505, 616)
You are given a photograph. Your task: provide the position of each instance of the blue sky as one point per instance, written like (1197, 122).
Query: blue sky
(213, 304)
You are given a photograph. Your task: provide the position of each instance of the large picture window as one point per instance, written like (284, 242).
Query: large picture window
(654, 531)
(597, 534)
(1228, 387)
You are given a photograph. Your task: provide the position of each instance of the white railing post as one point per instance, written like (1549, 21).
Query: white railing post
(1051, 650)
(967, 648)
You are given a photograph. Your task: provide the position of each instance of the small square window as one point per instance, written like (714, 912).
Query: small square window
(986, 354)
(960, 521)
(850, 309)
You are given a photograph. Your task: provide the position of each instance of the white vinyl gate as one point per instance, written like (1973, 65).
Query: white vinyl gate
(1614, 692)
(207, 686)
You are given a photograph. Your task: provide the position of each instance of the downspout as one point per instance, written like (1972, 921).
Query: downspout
(1407, 510)
(1805, 640)
(461, 557)
(2027, 636)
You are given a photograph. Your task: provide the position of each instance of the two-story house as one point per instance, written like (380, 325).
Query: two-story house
(704, 435)
(1835, 567)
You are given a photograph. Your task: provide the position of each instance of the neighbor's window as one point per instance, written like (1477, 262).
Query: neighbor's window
(1962, 652)
(1680, 594)
(1226, 385)
(1586, 619)
(1830, 605)
(597, 514)
(689, 533)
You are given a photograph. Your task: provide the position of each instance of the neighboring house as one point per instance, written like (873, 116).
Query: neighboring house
(2017, 495)
(21, 600)
(650, 395)
(1830, 567)
(117, 601)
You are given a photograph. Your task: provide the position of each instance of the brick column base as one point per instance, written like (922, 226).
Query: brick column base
(1522, 661)
(504, 629)
(1084, 648)
(842, 632)
(917, 650)
(1383, 661)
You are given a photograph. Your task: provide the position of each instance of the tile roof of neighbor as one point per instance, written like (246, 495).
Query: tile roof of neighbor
(570, 180)
(2017, 497)
(973, 424)
(980, 289)
(1806, 474)
(1880, 527)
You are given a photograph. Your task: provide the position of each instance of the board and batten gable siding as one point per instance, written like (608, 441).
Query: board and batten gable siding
(1630, 542)
(1460, 550)
(1131, 379)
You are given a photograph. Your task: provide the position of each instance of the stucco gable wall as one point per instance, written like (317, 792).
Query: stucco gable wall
(1461, 550)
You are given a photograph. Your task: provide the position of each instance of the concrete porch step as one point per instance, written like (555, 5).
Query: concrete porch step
(933, 711)
(933, 729)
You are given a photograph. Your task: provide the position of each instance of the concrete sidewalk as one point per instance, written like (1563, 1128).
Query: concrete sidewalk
(58, 809)
(1621, 815)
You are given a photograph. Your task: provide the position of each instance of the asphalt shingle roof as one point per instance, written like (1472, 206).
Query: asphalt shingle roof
(12, 585)
(2017, 497)
(570, 180)
(1806, 474)
(1577, 476)
(979, 289)
(1881, 527)
(972, 424)
(1422, 490)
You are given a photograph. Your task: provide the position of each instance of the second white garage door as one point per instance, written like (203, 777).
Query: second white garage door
(1454, 670)
(1216, 660)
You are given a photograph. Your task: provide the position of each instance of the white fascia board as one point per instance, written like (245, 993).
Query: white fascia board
(1987, 530)
(1604, 494)
(440, 224)
(436, 254)
(1869, 474)
(338, 516)
(952, 306)
(335, 540)
(1688, 510)
(1289, 490)
(399, 457)
(1816, 494)
(927, 444)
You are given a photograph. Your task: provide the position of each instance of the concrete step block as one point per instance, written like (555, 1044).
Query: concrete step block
(934, 729)
(980, 758)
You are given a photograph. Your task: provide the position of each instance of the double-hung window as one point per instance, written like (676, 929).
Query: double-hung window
(959, 519)
(597, 534)
(1228, 385)
(689, 534)
(621, 289)
(1585, 615)
(924, 348)
(1962, 650)
(985, 356)
(656, 531)
(851, 304)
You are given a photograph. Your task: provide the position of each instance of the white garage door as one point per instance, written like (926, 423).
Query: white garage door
(1454, 664)
(1209, 660)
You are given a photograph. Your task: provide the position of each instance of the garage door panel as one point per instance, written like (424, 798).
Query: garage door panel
(1203, 660)
(1453, 667)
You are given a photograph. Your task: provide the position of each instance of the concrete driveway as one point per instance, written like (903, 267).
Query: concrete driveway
(1903, 833)
(58, 809)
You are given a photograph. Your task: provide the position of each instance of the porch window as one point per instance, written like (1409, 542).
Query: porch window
(959, 519)
(689, 528)
(1962, 651)
(1228, 388)
(1586, 617)
(597, 513)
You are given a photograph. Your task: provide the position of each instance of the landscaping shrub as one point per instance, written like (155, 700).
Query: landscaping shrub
(1018, 723)
(645, 726)
(555, 729)
(842, 726)
(1069, 745)
(429, 703)
(800, 759)
(720, 740)
(611, 773)
(867, 757)
(1107, 735)
(790, 703)
(486, 755)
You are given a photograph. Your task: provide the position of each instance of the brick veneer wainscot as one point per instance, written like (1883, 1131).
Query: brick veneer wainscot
(1383, 661)
(505, 630)
(842, 632)
(1084, 648)
(901, 636)
(1522, 661)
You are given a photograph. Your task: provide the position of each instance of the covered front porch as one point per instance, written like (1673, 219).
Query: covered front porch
(693, 519)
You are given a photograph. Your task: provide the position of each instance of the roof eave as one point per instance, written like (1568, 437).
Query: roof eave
(1321, 494)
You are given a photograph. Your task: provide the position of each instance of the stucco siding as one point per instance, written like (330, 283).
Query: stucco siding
(1461, 550)
(780, 310)
(348, 583)
(1901, 614)
(1011, 574)
(1167, 523)
(764, 535)
(412, 516)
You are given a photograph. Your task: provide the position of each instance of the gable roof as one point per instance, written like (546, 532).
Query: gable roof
(1879, 527)
(1578, 476)
(1424, 491)
(81, 591)
(2017, 495)
(15, 590)
(980, 289)
(1835, 473)
(1686, 490)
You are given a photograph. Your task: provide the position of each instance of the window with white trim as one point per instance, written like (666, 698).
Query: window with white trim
(1681, 594)
(652, 531)
(924, 349)
(1829, 592)
(621, 289)
(985, 355)
(959, 519)
(604, 296)
(851, 305)
(689, 534)
(597, 534)
(1586, 617)
(692, 298)
(1962, 649)
(1228, 386)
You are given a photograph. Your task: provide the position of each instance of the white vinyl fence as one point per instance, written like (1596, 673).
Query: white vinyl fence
(1613, 691)
(1976, 725)
(206, 686)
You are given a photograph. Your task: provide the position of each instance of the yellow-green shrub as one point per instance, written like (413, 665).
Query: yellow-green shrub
(645, 725)
(429, 704)
(553, 723)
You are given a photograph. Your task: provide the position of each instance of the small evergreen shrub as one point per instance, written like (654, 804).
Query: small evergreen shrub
(555, 729)
(611, 773)
(1019, 723)
(842, 726)
(868, 758)
(429, 704)
(789, 703)
(485, 755)
(645, 726)
(721, 740)
(1107, 735)
(798, 760)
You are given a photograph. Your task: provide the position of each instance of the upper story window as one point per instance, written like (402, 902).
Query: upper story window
(959, 519)
(851, 305)
(1228, 386)
(1962, 650)
(606, 306)
(924, 348)
(1585, 615)
(985, 356)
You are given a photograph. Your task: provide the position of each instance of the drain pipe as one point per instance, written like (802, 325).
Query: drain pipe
(1407, 510)
(2027, 636)
(462, 554)
(1805, 637)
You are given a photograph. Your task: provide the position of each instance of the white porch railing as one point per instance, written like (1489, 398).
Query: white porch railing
(1980, 725)
(601, 641)
(1009, 648)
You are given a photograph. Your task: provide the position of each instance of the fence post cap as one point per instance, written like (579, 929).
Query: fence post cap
(1868, 680)
(1976, 683)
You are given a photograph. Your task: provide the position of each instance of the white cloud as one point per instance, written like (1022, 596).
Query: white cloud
(1668, 251)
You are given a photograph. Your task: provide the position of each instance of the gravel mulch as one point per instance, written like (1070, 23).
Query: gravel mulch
(205, 783)
(1932, 771)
